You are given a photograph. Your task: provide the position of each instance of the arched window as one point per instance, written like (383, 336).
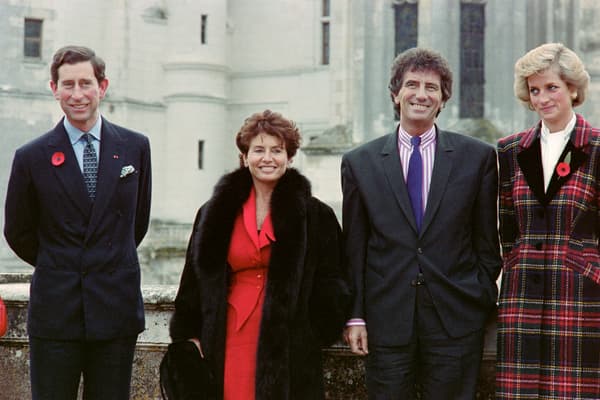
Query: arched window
(472, 79)
(406, 24)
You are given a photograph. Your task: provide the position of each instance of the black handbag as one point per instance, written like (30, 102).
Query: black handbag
(185, 374)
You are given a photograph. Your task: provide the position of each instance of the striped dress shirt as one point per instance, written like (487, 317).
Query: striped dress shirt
(405, 149)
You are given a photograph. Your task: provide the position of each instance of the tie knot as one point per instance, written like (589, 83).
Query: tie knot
(88, 138)
(415, 141)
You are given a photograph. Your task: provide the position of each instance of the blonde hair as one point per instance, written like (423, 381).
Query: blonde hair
(567, 64)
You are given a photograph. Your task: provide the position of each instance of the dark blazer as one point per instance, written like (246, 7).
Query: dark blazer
(306, 296)
(457, 248)
(86, 282)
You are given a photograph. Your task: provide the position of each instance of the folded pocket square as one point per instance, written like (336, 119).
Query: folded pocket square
(127, 170)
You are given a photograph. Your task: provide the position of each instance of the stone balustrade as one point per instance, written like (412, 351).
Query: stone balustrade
(343, 372)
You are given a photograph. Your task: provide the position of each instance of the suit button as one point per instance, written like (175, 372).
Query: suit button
(419, 250)
(538, 246)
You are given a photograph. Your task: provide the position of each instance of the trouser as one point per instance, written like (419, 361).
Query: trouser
(56, 368)
(441, 367)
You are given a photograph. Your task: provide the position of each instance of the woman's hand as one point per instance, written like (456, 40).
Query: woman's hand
(196, 341)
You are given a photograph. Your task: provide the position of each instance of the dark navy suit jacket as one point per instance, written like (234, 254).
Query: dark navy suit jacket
(86, 282)
(457, 248)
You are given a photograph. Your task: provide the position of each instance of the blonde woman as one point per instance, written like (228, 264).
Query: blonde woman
(549, 314)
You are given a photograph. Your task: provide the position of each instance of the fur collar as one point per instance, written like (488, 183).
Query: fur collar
(289, 204)
(291, 192)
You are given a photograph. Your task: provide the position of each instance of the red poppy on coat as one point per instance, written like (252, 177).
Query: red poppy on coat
(58, 158)
(563, 169)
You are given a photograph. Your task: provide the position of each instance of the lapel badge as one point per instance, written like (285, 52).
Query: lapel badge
(564, 168)
(58, 158)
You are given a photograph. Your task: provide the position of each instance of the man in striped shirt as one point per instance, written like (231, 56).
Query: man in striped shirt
(420, 223)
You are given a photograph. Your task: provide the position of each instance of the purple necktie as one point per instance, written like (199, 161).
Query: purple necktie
(414, 180)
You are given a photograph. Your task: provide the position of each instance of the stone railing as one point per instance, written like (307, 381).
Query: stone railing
(343, 372)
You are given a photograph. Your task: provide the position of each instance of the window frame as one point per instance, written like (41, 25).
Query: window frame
(35, 41)
(472, 59)
(325, 32)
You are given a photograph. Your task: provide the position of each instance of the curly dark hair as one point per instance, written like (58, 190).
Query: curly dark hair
(271, 123)
(419, 59)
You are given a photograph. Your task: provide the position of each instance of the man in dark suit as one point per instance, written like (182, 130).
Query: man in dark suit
(77, 206)
(420, 222)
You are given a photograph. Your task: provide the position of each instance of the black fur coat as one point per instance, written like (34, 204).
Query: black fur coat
(306, 295)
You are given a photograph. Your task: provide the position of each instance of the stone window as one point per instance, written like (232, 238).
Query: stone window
(406, 27)
(203, 22)
(325, 33)
(32, 43)
(472, 79)
(200, 154)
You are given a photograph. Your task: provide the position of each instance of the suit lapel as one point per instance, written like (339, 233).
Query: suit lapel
(530, 159)
(442, 166)
(109, 169)
(578, 157)
(392, 167)
(68, 173)
(579, 149)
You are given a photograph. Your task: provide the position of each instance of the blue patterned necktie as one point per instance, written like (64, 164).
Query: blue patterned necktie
(414, 180)
(90, 166)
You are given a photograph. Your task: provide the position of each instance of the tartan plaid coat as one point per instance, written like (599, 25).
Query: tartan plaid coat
(549, 307)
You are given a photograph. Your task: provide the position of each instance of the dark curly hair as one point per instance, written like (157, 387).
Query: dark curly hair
(273, 124)
(419, 59)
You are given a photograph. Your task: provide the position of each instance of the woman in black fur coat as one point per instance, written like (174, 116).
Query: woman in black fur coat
(262, 290)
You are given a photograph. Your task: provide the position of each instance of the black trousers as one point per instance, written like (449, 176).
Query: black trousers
(56, 368)
(438, 366)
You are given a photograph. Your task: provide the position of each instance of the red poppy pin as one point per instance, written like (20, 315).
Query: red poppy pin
(58, 158)
(564, 168)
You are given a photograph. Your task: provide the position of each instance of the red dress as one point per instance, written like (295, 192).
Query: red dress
(249, 253)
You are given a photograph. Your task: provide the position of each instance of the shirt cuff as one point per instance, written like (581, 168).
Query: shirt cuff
(356, 322)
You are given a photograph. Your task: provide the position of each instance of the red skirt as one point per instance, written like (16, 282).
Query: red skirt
(244, 311)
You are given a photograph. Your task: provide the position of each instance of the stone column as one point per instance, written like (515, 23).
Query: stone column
(195, 95)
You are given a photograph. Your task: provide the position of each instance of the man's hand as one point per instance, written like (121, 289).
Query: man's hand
(356, 337)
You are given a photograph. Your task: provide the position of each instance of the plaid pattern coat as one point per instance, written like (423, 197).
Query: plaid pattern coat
(549, 308)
